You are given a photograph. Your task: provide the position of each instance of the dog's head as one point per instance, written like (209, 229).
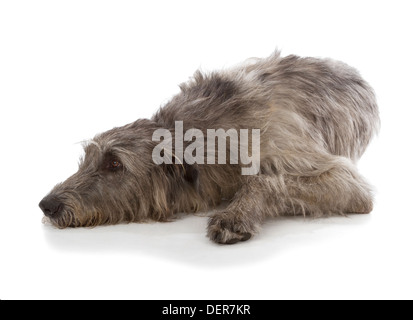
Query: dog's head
(118, 181)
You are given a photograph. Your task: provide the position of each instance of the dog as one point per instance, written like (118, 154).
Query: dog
(314, 119)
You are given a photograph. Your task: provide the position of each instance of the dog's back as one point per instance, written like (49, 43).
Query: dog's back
(319, 101)
(317, 104)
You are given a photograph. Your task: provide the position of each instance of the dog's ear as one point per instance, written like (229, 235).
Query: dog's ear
(183, 172)
(191, 175)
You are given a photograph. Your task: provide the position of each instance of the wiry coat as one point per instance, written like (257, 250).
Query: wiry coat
(316, 119)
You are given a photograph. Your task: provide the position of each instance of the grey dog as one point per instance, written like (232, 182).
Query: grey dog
(316, 118)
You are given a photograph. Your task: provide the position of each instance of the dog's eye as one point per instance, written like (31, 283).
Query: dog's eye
(115, 164)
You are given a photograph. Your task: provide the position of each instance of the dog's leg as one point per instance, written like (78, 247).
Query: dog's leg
(338, 190)
(244, 215)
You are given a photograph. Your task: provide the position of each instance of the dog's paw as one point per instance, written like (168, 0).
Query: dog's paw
(225, 229)
(361, 207)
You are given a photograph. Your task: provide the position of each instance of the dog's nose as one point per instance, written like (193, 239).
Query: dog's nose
(51, 206)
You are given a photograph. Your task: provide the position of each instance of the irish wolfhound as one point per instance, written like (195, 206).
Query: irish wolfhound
(316, 118)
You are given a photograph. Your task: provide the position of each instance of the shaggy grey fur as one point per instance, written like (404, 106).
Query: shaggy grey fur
(316, 117)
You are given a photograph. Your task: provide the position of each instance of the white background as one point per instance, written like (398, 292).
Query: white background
(71, 69)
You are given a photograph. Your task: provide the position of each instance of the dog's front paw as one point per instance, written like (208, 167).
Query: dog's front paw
(225, 229)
